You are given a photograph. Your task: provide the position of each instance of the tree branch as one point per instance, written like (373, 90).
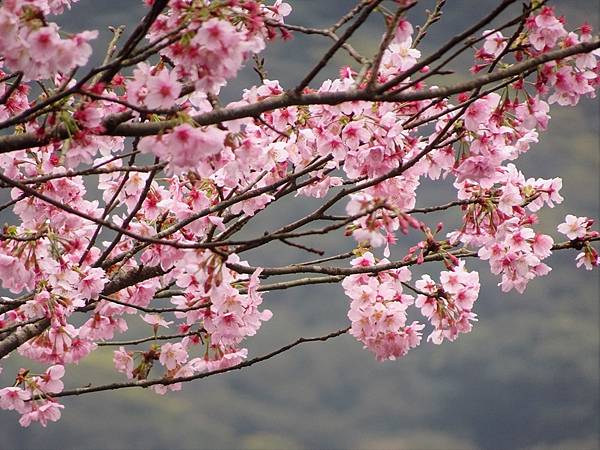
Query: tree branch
(168, 381)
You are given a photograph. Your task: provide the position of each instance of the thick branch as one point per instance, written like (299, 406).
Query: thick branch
(115, 126)
(23, 334)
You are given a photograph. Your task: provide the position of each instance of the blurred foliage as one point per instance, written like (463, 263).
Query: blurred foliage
(526, 377)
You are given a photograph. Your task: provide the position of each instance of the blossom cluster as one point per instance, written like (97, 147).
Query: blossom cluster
(214, 318)
(448, 305)
(213, 49)
(189, 148)
(34, 400)
(34, 46)
(378, 310)
(578, 229)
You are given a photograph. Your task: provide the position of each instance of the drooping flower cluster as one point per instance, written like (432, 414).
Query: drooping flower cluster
(226, 317)
(448, 305)
(378, 310)
(578, 229)
(231, 316)
(516, 253)
(34, 400)
(46, 257)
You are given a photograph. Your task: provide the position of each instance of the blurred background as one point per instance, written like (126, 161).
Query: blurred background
(526, 377)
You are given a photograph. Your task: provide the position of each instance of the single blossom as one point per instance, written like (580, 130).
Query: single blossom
(574, 227)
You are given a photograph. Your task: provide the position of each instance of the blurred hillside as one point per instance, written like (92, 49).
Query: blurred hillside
(526, 377)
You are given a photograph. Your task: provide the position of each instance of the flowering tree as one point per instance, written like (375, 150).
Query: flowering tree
(181, 176)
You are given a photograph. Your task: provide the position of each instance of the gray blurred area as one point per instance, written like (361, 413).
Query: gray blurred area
(525, 378)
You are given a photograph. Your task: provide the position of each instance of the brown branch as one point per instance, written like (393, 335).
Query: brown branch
(349, 15)
(302, 247)
(345, 271)
(130, 217)
(385, 42)
(22, 335)
(328, 33)
(442, 50)
(432, 17)
(115, 126)
(12, 88)
(154, 310)
(13, 327)
(96, 170)
(334, 48)
(138, 34)
(168, 381)
(148, 339)
(109, 206)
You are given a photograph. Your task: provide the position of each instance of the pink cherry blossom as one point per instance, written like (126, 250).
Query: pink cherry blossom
(93, 283)
(480, 111)
(156, 320)
(51, 380)
(172, 355)
(573, 227)
(589, 259)
(14, 398)
(48, 412)
(123, 362)
(163, 90)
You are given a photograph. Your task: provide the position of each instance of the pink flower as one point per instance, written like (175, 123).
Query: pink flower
(217, 35)
(80, 48)
(573, 227)
(48, 412)
(494, 44)
(90, 115)
(172, 355)
(51, 380)
(163, 90)
(546, 30)
(511, 196)
(43, 42)
(189, 148)
(534, 113)
(588, 258)
(123, 362)
(401, 56)
(542, 245)
(156, 321)
(279, 10)
(13, 398)
(92, 284)
(480, 111)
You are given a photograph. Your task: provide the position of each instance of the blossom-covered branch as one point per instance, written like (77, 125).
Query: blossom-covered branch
(106, 229)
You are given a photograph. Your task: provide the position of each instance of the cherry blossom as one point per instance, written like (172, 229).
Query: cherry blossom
(13, 398)
(574, 227)
(172, 354)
